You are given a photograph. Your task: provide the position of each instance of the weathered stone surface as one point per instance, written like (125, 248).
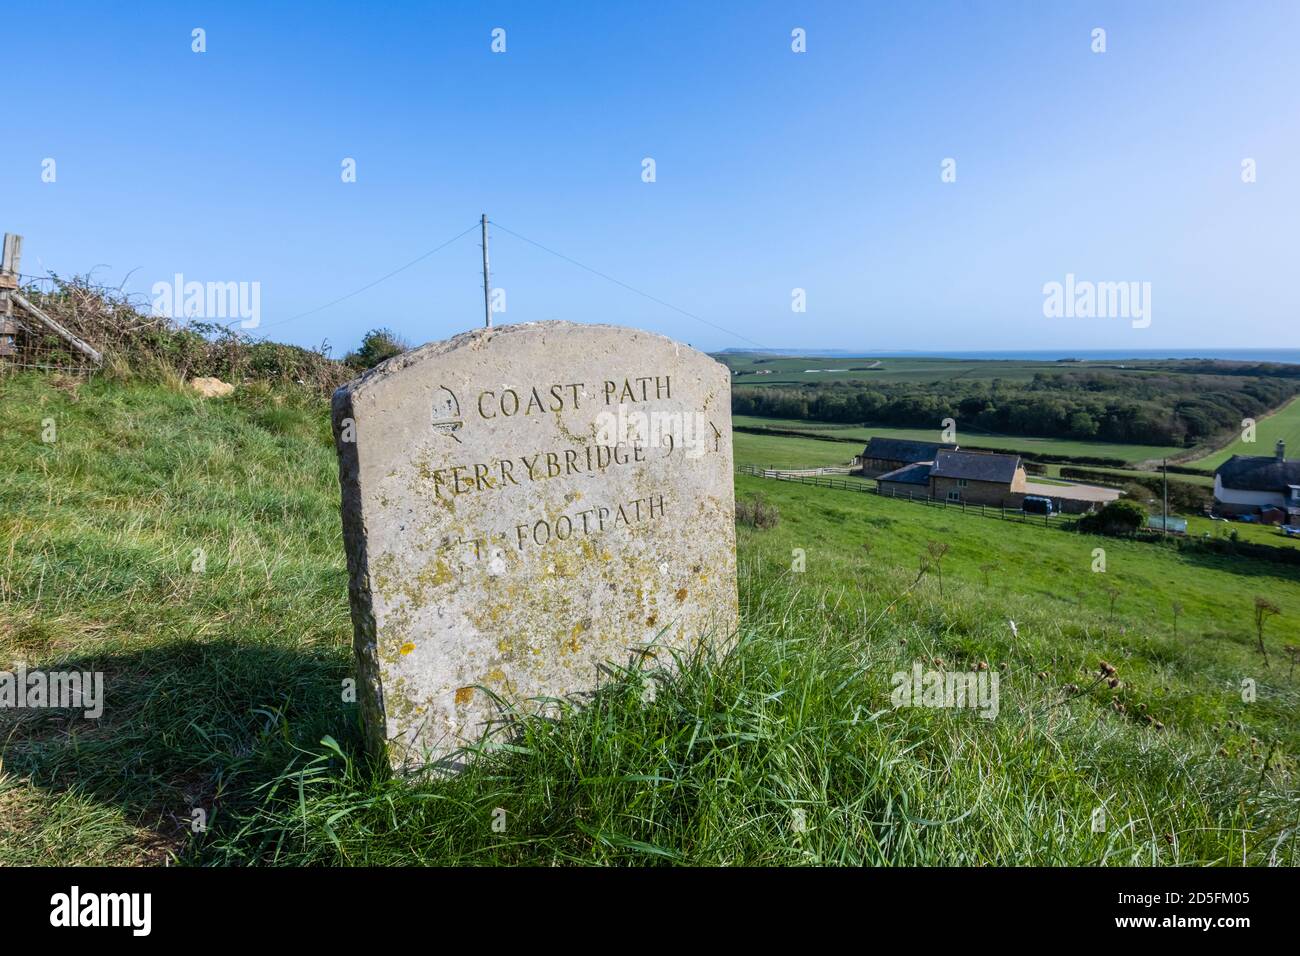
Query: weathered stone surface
(512, 521)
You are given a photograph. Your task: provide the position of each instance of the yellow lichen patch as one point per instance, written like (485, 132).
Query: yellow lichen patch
(680, 595)
(573, 645)
(441, 573)
(496, 675)
(407, 648)
(463, 695)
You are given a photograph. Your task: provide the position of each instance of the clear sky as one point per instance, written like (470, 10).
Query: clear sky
(775, 170)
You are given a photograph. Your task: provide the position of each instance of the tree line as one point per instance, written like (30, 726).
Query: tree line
(1147, 408)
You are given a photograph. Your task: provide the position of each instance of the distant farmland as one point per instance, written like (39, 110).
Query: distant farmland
(1283, 424)
(784, 451)
(1130, 412)
(754, 369)
(1042, 446)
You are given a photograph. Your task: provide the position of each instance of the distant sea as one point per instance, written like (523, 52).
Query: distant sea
(1289, 356)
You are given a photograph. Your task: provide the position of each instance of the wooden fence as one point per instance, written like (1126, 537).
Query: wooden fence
(848, 484)
(29, 337)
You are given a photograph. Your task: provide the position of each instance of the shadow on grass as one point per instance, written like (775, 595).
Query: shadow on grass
(186, 726)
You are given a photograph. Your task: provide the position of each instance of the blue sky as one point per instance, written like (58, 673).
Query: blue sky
(775, 170)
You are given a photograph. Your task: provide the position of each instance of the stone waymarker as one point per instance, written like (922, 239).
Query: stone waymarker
(521, 505)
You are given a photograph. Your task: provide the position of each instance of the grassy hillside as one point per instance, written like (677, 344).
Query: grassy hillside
(1283, 424)
(224, 684)
(1042, 446)
(789, 451)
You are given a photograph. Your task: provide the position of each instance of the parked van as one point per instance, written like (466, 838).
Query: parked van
(1037, 505)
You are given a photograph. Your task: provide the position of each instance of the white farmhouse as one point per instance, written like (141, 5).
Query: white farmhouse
(1251, 484)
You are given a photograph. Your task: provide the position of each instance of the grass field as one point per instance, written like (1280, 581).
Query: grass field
(1250, 533)
(1283, 424)
(788, 451)
(224, 682)
(892, 369)
(1120, 474)
(1042, 446)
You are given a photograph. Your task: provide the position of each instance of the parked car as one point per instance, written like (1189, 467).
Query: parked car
(1037, 505)
(1291, 531)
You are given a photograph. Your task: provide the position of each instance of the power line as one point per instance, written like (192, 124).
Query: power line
(371, 285)
(617, 282)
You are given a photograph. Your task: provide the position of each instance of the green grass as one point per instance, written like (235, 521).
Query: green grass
(895, 369)
(224, 686)
(1283, 424)
(1122, 474)
(1041, 446)
(202, 670)
(1245, 530)
(785, 451)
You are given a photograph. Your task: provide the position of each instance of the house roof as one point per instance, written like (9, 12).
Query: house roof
(975, 466)
(1258, 473)
(917, 473)
(900, 449)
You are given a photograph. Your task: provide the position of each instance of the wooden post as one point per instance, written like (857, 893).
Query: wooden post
(81, 346)
(10, 267)
(487, 288)
(1164, 520)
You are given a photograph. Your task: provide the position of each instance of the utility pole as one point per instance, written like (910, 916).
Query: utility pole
(487, 287)
(1164, 524)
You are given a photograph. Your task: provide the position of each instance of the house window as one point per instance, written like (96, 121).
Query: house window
(961, 482)
(954, 495)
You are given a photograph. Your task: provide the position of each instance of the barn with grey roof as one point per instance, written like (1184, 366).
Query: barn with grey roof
(883, 455)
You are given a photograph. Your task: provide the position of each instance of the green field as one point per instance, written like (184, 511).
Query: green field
(787, 451)
(224, 684)
(1120, 474)
(1245, 531)
(1283, 424)
(892, 369)
(1041, 446)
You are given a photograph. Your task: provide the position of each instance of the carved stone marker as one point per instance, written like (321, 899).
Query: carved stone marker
(520, 505)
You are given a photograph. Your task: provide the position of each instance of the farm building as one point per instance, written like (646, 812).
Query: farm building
(974, 477)
(977, 478)
(884, 455)
(982, 478)
(1258, 484)
(910, 481)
